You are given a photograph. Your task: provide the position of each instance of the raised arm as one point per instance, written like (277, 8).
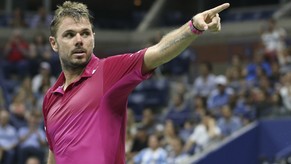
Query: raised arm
(172, 44)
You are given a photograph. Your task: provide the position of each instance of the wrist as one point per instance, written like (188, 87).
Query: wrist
(194, 29)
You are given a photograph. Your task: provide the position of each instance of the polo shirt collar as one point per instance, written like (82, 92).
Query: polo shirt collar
(90, 69)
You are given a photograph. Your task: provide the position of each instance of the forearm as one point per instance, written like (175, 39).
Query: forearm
(188, 145)
(169, 47)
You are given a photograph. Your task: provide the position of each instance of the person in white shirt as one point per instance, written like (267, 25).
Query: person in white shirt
(285, 91)
(177, 155)
(205, 82)
(203, 135)
(273, 39)
(153, 154)
(43, 78)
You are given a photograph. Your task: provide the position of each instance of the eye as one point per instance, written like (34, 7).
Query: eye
(86, 34)
(69, 35)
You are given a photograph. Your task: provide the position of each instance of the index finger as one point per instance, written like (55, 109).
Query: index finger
(218, 9)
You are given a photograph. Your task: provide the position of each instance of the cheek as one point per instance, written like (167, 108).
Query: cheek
(90, 44)
(63, 48)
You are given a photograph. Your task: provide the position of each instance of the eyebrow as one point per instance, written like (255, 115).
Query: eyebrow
(74, 31)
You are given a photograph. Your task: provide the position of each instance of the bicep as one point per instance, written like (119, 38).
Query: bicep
(152, 59)
(51, 158)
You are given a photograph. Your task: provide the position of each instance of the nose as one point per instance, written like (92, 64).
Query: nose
(79, 40)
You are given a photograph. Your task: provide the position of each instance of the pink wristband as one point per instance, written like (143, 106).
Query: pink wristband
(193, 29)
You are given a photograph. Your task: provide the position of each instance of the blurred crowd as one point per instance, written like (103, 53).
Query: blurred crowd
(200, 113)
(171, 117)
(27, 69)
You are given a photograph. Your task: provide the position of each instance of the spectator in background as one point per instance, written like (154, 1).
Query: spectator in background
(228, 123)
(170, 133)
(265, 85)
(32, 160)
(203, 135)
(205, 82)
(17, 19)
(237, 62)
(25, 93)
(199, 108)
(187, 130)
(16, 51)
(220, 96)
(179, 111)
(180, 66)
(285, 91)
(2, 99)
(177, 155)
(262, 103)
(235, 73)
(43, 78)
(244, 108)
(257, 67)
(235, 80)
(6, 88)
(284, 61)
(41, 83)
(154, 153)
(18, 109)
(8, 139)
(130, 122)
(276, 75)
(140, 141)
(149, 121)
(39, 50)
(131, 132)
(42, 19)
(32, 138)
(273, 39)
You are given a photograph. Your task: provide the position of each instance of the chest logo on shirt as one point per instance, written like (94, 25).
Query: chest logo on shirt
(93, 71)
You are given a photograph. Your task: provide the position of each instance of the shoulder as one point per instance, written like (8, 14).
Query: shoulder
(130, 55)
(200, 127)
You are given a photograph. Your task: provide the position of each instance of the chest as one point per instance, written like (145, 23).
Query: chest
(79, 101)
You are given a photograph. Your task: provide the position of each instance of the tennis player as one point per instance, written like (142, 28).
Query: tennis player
(85, 110)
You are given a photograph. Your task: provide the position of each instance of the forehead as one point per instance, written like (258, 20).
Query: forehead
(69, 23)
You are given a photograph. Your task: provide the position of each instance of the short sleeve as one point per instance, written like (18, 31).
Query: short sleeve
(119, 66)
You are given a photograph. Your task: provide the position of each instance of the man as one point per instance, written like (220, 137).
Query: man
(177, 155)
(220, 96)
(85, 111)
(228, 123)
(154, 153)
(31, 139)
(8, 138)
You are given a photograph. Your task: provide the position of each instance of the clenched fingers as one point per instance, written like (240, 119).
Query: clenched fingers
(214, 25)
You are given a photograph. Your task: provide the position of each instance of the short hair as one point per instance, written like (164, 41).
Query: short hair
(208, 65)
(74, 10)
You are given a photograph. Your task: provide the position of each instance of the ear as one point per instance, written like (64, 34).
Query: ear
(53, 43)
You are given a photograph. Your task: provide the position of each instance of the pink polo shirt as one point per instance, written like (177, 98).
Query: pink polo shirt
(86, 123)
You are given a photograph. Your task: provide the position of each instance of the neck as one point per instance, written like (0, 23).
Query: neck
(71, 75)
